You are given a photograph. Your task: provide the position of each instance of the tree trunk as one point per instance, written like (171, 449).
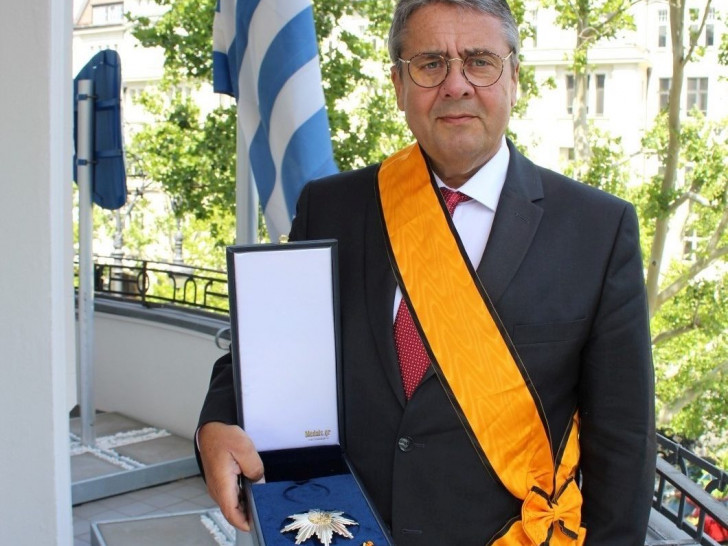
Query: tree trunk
(669, 181)
(582, 150)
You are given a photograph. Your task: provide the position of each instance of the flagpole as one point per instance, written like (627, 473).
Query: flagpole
(84, 155)
(246, 196)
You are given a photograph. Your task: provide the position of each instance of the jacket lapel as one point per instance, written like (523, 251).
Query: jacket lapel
(514, 226)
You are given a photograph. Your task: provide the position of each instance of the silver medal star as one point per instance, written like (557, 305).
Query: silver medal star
(321, 523)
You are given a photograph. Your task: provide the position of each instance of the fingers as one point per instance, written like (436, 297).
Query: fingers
(226, 453)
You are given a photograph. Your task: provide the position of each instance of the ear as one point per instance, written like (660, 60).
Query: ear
(396, 75)
(514, 84)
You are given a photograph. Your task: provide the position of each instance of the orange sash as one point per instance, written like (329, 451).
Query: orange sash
(474, 359)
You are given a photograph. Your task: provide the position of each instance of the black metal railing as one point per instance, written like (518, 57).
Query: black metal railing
(683, 488)
(156, 283)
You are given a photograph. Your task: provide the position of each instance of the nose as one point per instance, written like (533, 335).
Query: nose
(456, 84)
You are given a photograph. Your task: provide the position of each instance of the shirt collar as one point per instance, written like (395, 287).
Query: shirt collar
(486, 184)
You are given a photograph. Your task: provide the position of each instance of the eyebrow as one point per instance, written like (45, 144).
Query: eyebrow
(432, 52)
(467, 52)
(473, 51)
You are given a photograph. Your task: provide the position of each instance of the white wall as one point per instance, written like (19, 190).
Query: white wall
(36, 337)
(151, 371)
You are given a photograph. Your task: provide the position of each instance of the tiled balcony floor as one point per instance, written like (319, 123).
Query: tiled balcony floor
(179, 496)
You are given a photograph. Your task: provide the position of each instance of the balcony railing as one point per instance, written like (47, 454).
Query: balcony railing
(683, 488)
(158, 283)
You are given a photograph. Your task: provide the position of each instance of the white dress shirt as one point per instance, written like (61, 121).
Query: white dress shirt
(473, 219)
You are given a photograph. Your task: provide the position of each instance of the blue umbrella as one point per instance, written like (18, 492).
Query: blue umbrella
(108, 175)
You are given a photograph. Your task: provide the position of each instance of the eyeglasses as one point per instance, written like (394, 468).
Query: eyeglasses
(481, 69)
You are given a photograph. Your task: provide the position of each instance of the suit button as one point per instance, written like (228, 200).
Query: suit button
(405, 444)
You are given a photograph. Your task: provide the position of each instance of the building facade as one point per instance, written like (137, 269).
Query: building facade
(629, 81)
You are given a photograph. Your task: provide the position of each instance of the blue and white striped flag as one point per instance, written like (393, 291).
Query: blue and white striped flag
(266, 55)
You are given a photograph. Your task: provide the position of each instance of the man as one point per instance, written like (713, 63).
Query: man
(562, 302)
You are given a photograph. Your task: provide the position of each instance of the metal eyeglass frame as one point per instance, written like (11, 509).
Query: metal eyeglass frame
(462, 67)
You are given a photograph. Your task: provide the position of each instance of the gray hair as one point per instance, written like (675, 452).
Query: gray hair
(496, 8)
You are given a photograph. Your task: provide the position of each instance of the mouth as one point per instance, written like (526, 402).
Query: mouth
(456, 119)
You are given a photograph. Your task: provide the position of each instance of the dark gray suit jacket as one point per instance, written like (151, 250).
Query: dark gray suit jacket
(564, 271)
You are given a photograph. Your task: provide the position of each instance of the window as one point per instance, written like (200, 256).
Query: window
(709, 34)
(710, 28)
(599, 107)
(133, 94)
(665, 92)
(108, 14)
(691, 240)
(533, 19)
(691, 243)
(662, 28)
(698, 94)
(101, 47)
(183, 91)
(570, 88)
(594, 97)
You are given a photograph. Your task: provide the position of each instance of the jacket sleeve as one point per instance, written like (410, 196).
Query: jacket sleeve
(616, 402)
(219, 404)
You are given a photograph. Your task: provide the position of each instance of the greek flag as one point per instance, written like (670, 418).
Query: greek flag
(265, 54)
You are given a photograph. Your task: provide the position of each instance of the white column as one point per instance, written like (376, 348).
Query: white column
(36, 299)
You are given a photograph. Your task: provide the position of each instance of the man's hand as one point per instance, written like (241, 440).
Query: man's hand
(226, 452)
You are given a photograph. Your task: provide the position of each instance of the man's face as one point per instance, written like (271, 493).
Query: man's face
(458, 125)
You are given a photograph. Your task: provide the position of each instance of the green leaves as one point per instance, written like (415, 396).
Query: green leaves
(593, 20)
(185, 34)
(683, 219)
(607, 167)
(192, 158)
(690, 326)
(363, 117)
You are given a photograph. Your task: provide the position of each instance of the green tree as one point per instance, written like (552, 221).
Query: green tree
(691, 306)
(687, 293)
(194, 161)
(184, 31)
(592, 21)
(365, 125)
(607, 167)
(683, 49)
(192, 158)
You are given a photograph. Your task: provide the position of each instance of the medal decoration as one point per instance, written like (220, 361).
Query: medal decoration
(321, 523)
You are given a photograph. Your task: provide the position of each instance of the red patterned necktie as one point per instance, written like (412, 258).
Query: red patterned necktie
(413, 359)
